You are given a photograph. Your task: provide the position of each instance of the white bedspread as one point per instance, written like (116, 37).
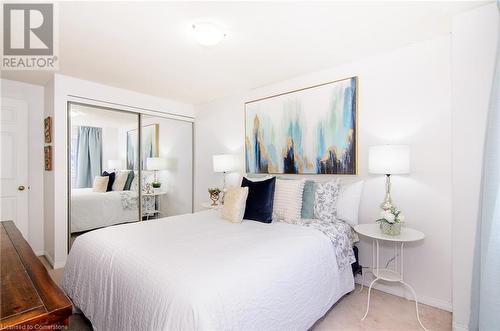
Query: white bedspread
(199, 272)
(92, 210)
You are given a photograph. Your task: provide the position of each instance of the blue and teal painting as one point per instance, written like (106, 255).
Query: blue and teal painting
(309, 131)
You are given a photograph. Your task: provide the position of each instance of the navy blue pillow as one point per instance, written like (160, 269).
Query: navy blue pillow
(110, 181)
(260, 199)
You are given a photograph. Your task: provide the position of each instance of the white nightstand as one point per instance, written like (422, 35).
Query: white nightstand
(395, 275)
(208, 205)
(151, 204)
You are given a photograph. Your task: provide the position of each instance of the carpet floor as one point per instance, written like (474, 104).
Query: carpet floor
(387, 313)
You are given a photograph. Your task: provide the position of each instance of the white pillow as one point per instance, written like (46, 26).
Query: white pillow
(348, 202)
(120, 180)
(287, 204)
(235, 200)
(325, 200)
(100, 184)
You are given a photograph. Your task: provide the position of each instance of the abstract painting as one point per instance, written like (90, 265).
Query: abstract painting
(307, 131)
(149, 148)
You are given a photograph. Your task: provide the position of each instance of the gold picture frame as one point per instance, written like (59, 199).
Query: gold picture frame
(48, 157)
(47, 124)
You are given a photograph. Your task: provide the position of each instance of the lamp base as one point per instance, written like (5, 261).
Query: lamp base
(387, 204)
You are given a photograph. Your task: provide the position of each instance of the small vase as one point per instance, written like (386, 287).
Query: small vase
(391, 229)
(214, 197)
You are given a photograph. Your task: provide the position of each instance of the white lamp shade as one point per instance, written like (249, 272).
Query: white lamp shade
(116, 164)
(224, 162)
(156, 163)
(389, 159)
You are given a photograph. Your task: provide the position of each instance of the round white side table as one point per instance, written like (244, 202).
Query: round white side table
(373, 232)
(208, 205)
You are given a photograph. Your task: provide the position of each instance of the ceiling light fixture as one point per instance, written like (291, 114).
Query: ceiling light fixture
(207, 34)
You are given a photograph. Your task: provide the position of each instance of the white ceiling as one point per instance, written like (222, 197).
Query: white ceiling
(147, 46)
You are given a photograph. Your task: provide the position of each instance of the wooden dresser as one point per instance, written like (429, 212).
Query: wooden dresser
(29, 298)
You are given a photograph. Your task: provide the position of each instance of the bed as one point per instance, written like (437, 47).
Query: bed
(91, 210)
(199, 272)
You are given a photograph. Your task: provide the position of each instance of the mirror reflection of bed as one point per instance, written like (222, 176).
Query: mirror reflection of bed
(103, 191)
(104, 168)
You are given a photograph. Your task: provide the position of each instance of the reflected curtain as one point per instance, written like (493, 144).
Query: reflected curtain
(485, 305)
(88, 155)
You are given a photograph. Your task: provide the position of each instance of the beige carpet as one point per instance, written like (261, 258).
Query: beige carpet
(387, 313)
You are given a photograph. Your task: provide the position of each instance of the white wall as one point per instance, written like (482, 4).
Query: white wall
(33, 95)
(474, 38)
(72, 89)
(48, 179)
(404, 97)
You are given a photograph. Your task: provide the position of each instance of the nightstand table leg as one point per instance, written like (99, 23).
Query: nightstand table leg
(368, 303)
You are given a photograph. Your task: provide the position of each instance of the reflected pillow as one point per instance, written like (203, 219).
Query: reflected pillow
(120, 180)
(235, 200)
(100, 184)
(259, 206)
(128, 183)
(111, 180)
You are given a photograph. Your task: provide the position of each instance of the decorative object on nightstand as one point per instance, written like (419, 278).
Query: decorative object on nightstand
(224, 163)
(390, 221)
(214, 195)
(389, 160)
(396, 274)
(156, 164)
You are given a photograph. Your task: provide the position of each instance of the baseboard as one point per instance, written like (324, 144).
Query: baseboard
(49, 259)
(459, 327)
(39, 253)
(400, 292)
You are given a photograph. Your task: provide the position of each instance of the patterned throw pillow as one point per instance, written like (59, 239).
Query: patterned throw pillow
(325, 200)
(235, 200)
(288, 200)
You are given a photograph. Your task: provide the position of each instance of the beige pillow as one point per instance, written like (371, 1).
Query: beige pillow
(287, 204)
(235, 201)
(100, 184)
(120, 180)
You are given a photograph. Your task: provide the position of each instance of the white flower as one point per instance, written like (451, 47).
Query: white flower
(401, 217)
(389, 217)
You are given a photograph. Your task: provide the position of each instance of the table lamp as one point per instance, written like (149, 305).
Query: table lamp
(224, 163)
(116, 164)
(389, 160)
(155, 164)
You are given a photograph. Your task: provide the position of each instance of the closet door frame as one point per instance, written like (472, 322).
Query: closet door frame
(74, 100)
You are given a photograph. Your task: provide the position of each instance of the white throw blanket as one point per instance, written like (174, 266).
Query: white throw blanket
(199, 272)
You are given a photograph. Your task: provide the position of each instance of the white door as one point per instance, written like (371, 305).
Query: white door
(14, 163)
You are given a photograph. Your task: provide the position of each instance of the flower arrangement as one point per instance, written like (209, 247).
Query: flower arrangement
(390, 221)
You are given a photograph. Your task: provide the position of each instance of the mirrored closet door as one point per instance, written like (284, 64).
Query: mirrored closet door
(103, 191)
(118, 158)
(167, 156)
